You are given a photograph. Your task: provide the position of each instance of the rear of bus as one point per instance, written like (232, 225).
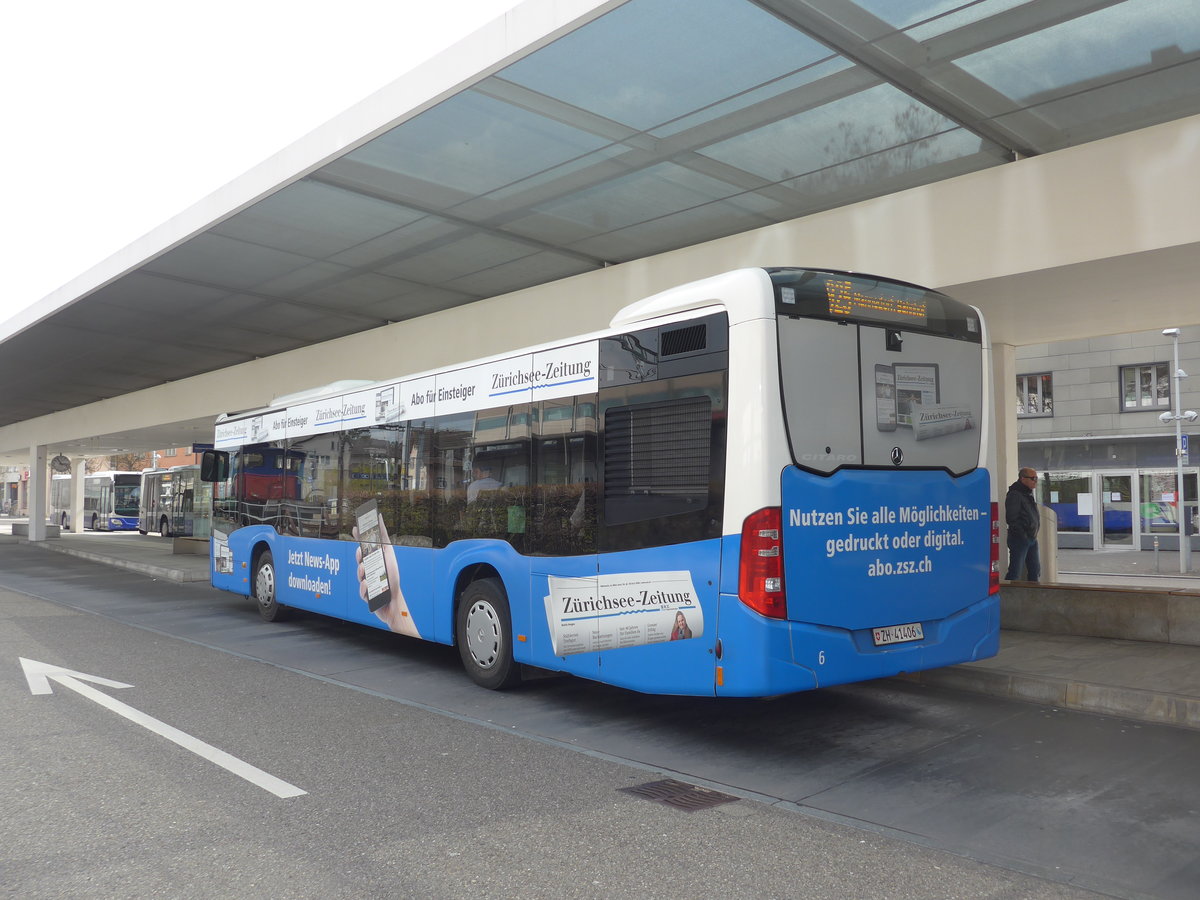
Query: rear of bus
(869, 547)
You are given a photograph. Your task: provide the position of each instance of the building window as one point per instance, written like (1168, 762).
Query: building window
(1035, 395)
(1146, 387)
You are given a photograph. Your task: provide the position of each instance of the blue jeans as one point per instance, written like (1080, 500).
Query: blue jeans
(1023, 554)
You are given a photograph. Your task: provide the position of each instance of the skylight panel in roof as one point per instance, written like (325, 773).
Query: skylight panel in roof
(473, 144)
(673, 57)
(855, 127)
(1108, 45)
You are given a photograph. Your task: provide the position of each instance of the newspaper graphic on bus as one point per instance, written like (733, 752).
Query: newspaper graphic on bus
(622, 610)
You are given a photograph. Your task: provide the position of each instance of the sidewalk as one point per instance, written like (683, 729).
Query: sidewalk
(148, 554)
(1133, 568)
(1139, 680)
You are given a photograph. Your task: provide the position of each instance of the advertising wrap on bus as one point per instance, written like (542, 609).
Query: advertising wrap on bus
(562, 372)
(769, 481)
(873, 554)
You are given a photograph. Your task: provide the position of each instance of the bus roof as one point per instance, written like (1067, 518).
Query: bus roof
(744, 294)
(680, 302)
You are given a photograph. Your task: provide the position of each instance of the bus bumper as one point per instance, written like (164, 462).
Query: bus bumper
(765, 657)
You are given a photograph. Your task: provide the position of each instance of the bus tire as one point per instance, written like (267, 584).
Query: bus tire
(164, 527)
(484, 635)
(266, 588)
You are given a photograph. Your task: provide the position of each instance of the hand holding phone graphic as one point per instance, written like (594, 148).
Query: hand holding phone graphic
(372, 565)
(378, 574)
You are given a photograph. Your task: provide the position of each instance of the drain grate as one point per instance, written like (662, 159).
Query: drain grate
(679, 794)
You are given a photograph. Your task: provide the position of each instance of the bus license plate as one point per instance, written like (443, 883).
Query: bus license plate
(898, 634)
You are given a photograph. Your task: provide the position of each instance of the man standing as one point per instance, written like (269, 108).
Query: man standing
(1021, 514)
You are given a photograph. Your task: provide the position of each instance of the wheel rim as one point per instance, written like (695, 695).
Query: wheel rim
(483, 634)
(264, 585)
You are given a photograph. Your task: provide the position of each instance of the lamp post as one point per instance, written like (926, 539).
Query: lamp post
(1185, 544)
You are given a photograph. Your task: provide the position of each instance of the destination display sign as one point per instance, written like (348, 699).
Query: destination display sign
(850, 297)
(850, 300)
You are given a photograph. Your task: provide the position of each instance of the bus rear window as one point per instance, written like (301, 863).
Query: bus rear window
(863, 395)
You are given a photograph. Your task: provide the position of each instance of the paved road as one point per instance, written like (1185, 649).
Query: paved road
(421, 784)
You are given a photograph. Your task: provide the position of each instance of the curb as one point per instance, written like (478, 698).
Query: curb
(177, 575)
(1104, 699)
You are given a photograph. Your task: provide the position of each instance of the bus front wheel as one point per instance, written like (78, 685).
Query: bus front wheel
(485, 635)
(265, 587)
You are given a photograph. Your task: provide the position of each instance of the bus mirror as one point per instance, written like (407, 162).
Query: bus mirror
(214, 465)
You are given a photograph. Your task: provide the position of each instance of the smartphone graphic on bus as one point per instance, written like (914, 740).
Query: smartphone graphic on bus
(885, 398)
(370, 542)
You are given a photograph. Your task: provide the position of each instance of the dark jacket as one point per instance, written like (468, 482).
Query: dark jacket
(1020, 512)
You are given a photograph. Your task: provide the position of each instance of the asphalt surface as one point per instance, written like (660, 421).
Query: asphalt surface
(1149, 682)
(421, 784)
(400, 801)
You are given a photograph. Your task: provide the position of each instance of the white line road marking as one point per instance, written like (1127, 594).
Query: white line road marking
(39, 675)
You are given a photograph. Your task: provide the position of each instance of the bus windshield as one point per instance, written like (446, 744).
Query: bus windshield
(127, 490)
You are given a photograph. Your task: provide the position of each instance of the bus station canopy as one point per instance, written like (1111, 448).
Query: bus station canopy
(625, 130)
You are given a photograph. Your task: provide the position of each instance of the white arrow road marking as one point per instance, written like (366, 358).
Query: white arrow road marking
(39, 675)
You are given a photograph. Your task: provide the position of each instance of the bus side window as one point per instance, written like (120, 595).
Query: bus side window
(563, 498)
(664, 462)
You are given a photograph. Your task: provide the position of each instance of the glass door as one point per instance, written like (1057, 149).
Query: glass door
(1070, 495)
(1117, 505)
(1160, 504)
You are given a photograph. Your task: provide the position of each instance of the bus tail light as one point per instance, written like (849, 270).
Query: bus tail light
(994, 572)
(760, 569)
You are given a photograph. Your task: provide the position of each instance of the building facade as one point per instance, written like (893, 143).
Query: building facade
(1089, 421)
(14, 492)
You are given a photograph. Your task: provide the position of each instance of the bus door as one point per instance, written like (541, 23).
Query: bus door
(562, 535)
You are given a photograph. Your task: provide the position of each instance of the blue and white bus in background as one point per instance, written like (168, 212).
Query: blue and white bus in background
(767, 481)
(110, 501)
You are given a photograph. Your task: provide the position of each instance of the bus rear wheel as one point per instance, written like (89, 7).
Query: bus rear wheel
(265, 588)
(484, 635)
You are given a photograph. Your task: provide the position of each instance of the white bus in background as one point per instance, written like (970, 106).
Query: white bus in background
(110, 500)
(175, 502)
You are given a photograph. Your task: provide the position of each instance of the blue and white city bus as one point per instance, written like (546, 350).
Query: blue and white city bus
(767, 481)
(110, 501)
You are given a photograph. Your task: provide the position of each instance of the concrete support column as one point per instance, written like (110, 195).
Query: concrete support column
(39, 492)
(78, 467)
(1004, 385)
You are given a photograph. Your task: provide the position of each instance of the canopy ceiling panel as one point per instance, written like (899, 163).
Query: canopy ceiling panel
(653, 126)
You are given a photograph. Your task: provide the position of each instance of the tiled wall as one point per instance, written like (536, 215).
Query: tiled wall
(1086, 383)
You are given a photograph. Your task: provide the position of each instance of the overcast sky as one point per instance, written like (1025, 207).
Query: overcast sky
(120, 114)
